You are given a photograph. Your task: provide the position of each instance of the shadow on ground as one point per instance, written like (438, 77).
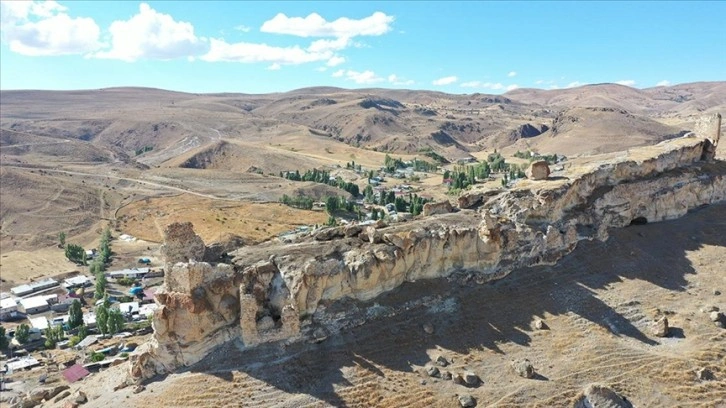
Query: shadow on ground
(482, 316)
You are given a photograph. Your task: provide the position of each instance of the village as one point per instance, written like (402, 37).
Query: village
(62, 329)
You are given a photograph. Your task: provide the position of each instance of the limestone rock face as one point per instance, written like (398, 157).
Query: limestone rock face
(181, 244)
(204, 305)
(443, 207)
(538, 170)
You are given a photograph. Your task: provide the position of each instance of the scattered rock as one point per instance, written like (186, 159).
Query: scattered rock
(139, 388)
(458, 379)
(538, 170)
(446, 375)
(428, 328)
(715, 316)
(432, 371)
(716, 292)
(471, 378)
(467, 401)
(601, 396)
(709, 309)
(660, 327)
(523, 368)
(61, 395)
(422, 382)
(704, 374)
(441, 361)
(539, 324)
(80, 397)
(352, 230)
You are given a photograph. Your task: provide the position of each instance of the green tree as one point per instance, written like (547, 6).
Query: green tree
(75, 314)
(62, 239)
(76, 253)
(82, 331)
(102, 318)
(101, 283)
(53, 335)
(4, 343)
(22, 334)
(115, 321)
(97, 267)
(331, 221)
(331, 204)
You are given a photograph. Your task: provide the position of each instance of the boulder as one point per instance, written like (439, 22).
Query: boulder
(523, 368)
(328, 234)
(371, 234)
(660, 327)
(601, 396)
(458, 379)
(471, 379)
(352, 230)
(80, 397)
(139, 388)
(446, 375)
(443, 207)
(432, 371)
(467, 401)
(539, 324)
(441, 361)
(61, 396)
(704, 374)
(715, 316)
(538, 170)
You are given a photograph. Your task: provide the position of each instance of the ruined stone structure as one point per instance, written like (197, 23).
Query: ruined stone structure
(270, 291)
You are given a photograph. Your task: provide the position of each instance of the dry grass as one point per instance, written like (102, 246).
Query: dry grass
(213, 220)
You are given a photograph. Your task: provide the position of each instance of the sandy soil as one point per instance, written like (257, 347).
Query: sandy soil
(598, 302)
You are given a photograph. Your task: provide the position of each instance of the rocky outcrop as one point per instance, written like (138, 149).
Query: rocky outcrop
(267, 289)
(600, 396)
(181, 244)
(538, 170)
(443, 207)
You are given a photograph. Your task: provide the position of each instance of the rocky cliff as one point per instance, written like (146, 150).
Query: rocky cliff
(277, 291)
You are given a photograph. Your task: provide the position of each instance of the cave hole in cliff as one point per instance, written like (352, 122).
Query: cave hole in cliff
(639, 221)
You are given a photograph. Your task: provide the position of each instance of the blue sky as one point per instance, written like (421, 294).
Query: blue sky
(456, 47)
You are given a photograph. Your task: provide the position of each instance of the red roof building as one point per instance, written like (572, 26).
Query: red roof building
(75, 373)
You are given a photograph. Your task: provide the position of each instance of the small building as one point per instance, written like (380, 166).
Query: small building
(32, 287)
(91, 254)
(129, 308)
(77, 282)
(8, 309)
(35, 304)
(63, 305)
(75, 373)
(40, 323)
(20, 364)
(88, 341)
(133, 273)
(89, 319)
(59, 321)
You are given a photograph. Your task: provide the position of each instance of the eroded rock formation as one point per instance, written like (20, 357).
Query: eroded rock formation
(269, 290)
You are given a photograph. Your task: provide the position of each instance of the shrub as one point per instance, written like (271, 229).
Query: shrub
(96, 357)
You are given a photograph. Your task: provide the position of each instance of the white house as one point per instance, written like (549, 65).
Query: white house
(133, 273)
(29, 288)
(35, 304)
(40, 323)
(129, 307)
(8, 309)
(76, 282)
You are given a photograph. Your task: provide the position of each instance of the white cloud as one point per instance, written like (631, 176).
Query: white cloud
(574, 84)
(45, 29)
(335, 61)
(243, 28)
(512, 74)
(314, 25)
(626, 82)
(395, 80)
(329, 45)
(251, 52)
(446, 80)
(150, 34)
(321, 69)
(663, 83)
(512, 87)
(274, 67)
(365, 77)
(485, 85)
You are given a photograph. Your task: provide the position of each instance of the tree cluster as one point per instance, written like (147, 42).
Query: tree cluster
(323, 177)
